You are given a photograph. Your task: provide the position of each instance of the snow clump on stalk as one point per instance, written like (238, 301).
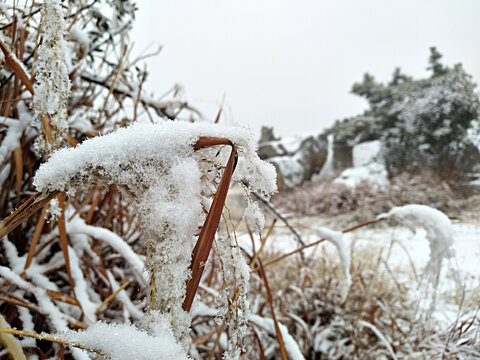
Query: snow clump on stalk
(157, 167)
(52, 86)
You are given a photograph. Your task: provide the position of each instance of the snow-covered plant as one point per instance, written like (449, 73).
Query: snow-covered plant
(439, 232)
(160, 173)
(52, 85)
(336, 238)
(232, 299)
(87, 266)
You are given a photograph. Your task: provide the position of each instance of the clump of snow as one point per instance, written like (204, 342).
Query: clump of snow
(327, 169)
(366, 152)
(473, 133)
(54, 210)
(291, 346)
(374, 173)
(52, 86)
(254, 217)
(126, 342)
(157, 166)
(336, 238)
(368, 166)
(438, 227)
(293, 173)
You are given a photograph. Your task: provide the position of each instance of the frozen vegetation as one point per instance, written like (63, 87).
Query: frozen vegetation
(362, 263)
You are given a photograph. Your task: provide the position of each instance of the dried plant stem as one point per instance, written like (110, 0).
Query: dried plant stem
(283, 351)
(257, 254)
(47, 338)
(108, 299)
(205, 240)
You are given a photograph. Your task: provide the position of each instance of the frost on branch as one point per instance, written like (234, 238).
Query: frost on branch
(52, 86)
(157, 166)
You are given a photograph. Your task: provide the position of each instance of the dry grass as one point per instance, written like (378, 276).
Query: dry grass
(329, 198)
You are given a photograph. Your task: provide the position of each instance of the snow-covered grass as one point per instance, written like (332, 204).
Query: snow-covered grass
(388, 309)
(103, 271)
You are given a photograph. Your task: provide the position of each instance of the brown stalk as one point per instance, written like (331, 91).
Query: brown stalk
(46, 128)
(24, 211)
(47, 338)
(64, 243)
(13, 63)
(93, 206)
(62, 297)
(108, 299)
(36, 237)
(19, 303)
(17, 153)
(205, 240)
(283, 351)
(291, 253)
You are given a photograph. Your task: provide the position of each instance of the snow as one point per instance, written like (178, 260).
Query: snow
(368, 166)
(336, 238)
(291, 169)
(366, 152)
(52, 85)
(374, 173)
(291, 346)
(78, 226)
(80, 37)
(327, 169)
(379, 335)
(11, 141)
(81, 287)
(438, 227)
(46, 306)
(121, 341)
(158, 168)
(254, 217)
(235, 279)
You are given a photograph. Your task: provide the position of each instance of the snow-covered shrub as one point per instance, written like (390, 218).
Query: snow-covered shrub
(86, 263)
(422, 123)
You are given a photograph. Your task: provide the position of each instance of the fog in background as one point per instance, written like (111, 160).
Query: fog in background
(291, 64)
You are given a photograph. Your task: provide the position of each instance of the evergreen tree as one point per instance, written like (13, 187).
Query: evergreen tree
(422, 123)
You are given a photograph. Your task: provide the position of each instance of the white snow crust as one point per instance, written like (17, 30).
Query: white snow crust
(127, 342)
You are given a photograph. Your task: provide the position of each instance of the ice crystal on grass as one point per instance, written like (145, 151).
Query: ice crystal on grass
(157, 166)
(232, 298)
(52, 86)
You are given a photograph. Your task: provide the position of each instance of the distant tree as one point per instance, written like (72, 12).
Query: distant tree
(422, 123)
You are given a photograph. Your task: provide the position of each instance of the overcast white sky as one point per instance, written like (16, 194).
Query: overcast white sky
(291, 63)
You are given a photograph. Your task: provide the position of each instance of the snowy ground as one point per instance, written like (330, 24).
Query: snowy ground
(405, 253)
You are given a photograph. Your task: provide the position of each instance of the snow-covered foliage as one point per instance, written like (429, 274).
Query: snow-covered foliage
(160, 172)
(336, 238)
(88, 82)
(52, 83)
(422, 123)
(438, 227)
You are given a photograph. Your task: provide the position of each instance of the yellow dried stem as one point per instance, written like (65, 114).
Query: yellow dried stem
(108, 299)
